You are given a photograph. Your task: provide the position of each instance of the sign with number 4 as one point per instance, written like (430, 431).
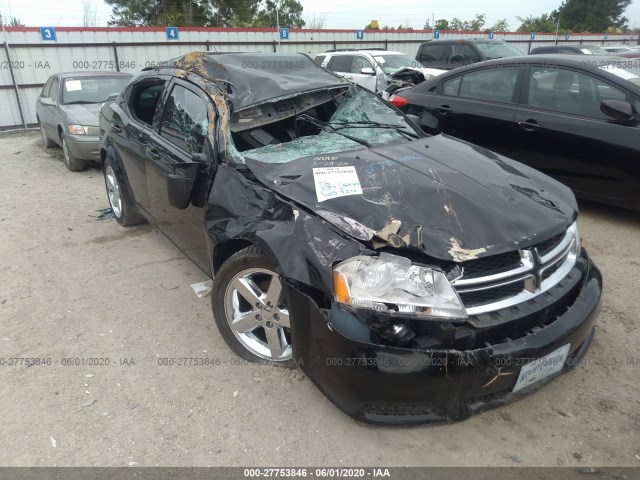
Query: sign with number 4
(172, 33)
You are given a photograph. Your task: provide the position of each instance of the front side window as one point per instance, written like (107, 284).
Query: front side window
(463, 54)
(451, 87)
(47, 88)
(85, 90)
(340, 63)
(144, 99)
(493, 84)
(319, 59)
(359, 62)
(185, 120)
(569, 92)
(53, 93)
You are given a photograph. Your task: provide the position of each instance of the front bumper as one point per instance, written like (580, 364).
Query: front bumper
(84, 147)
(393, 385)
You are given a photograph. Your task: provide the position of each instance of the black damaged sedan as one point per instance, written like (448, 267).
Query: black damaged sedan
(413, 278)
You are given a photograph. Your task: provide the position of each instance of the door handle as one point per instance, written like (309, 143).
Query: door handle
(444, 109)
(143, 138)
(116, 128)
(530, 125)
(154, 154)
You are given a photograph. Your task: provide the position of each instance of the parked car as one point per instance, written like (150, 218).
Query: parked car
(413, 278)
(375, 70)
(67, 111)
(569, 50)
(631, 54)
(455, 53)
(574, 119)
(617, 48)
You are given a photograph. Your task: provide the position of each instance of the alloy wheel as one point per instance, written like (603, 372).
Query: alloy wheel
(256, 312)
(113, 191)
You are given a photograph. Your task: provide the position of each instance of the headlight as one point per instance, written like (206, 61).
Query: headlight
(576, 236)
(392, 284)
(77, 130)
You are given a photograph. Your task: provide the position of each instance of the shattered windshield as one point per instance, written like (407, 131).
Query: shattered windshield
(392, 63)
(350, 120)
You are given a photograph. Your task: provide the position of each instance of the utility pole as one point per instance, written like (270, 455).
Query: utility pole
(278, 27)
(557, 30)
(433, 20)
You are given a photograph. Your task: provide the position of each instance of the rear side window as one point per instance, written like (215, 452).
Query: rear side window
(144, 99)
(435, 52)
(319, 59)
(341, 63)
(47, 88)
(185, 120)
(493, 84)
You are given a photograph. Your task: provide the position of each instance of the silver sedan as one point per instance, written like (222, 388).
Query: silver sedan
(68, 109)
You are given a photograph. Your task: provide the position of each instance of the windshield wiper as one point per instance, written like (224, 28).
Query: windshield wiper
(326, 126)
(397, 128)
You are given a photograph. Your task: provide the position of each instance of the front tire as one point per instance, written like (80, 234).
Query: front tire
(123, 211)
(249, 308)
(73, 164)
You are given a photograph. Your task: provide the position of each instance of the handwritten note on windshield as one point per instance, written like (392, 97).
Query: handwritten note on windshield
(334, 182)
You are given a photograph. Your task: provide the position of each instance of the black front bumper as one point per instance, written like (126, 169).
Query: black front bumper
(393, 385)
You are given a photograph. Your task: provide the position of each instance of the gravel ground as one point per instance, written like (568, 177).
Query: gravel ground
(72, 285)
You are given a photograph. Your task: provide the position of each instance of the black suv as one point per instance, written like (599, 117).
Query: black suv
(450, 54)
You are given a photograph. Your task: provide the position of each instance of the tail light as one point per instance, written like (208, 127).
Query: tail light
(398, 101)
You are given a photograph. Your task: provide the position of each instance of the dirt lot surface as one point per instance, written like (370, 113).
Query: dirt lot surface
(72, 285)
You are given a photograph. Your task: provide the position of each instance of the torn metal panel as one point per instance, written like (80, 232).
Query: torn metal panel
(256, 77)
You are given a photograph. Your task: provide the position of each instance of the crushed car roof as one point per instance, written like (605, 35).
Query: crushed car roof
(258, 77)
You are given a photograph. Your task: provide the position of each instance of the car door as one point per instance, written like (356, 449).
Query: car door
(365, 80)
(563, 132)
(180, 132)
(50, 116)
(43, 110)
(141, 102)
(479, 106)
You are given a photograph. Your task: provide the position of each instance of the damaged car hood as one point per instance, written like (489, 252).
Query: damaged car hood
(440, 196)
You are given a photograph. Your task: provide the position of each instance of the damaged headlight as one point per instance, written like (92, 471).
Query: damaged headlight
(392, 284)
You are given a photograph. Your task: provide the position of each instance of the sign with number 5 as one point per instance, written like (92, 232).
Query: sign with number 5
(48, 33)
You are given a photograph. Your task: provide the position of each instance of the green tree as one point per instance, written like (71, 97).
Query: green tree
(289, 14)
(591, 15)
(442, 24)
(14, 22)
(500, 26)
(235, 13)
(476, 24)
(543, 23)
(135, 13)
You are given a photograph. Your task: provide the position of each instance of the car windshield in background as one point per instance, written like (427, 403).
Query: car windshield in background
(91, 89)
(392, 63)
(357, 118)
(622, 70)
(594, 51)
(493, 50)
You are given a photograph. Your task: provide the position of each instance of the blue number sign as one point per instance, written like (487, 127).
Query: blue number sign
(48, 33)
(172, 33)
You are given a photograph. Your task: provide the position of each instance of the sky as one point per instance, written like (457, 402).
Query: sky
(338, 14)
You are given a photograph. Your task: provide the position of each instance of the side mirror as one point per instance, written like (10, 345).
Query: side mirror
(368, 71)
(618, 110)
(180, 184)
(111, 97)
(46, 102)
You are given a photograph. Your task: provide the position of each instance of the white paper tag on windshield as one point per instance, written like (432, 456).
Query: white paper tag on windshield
(72, 85)
(334, 182)
(619, 72)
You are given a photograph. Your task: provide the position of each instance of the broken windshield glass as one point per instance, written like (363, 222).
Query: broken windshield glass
(347, 121)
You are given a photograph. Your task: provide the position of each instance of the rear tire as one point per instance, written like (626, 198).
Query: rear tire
(249, 308)
(123, 211)
(46, 141)
(73, 164)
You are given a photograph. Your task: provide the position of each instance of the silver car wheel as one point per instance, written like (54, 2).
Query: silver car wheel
(255, 310)
(113, 191)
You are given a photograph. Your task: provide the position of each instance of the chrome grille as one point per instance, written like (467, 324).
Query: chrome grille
(510, 279)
